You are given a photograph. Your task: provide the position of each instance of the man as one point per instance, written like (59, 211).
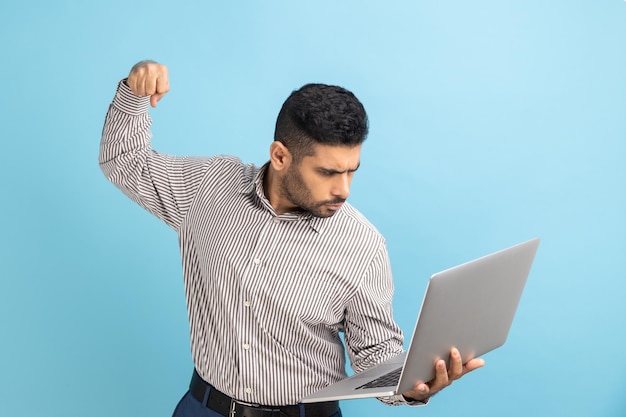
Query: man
(276, 264)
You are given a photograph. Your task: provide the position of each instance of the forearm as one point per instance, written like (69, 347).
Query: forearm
(371, 333)
(125, 143)
(377, 337)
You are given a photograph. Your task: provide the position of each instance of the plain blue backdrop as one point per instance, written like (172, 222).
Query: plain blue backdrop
(492, 122)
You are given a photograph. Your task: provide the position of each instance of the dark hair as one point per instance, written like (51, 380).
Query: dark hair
(320, 113)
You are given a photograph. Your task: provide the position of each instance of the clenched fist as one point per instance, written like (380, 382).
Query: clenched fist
(149, 78)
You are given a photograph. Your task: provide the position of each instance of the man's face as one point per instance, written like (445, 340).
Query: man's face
(320, 183)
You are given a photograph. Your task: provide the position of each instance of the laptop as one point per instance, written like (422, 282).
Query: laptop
(470, 306)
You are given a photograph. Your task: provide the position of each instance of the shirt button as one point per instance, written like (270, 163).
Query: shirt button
(246, 346)
(257, 261)
(248, 390)
(276, 220)
(247, 303)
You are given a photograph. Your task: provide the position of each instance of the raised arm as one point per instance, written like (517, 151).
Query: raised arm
(163, 184)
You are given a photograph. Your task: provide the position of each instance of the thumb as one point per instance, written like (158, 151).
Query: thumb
(154, 98)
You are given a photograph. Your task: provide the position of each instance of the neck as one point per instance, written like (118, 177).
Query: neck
(271, 188)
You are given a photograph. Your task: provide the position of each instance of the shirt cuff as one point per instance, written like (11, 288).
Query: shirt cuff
(415, 403)
(128, 102)
(401, 400)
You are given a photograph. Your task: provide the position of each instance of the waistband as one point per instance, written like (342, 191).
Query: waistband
(229, 407)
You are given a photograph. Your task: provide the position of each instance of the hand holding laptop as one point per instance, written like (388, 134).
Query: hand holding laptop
(443, 377)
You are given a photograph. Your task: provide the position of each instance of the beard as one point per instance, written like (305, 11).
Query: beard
(293, 188)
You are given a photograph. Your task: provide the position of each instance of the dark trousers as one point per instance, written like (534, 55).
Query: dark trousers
(188, 406)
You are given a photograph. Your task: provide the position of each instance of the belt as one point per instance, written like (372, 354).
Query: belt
(229, 407)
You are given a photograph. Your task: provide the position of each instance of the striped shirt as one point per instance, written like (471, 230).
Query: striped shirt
(267, 295)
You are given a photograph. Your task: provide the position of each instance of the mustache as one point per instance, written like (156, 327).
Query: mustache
(335, 201)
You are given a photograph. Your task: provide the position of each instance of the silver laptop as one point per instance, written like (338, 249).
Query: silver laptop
(470, 306)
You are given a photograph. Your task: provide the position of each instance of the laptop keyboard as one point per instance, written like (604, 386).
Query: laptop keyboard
(389, 379)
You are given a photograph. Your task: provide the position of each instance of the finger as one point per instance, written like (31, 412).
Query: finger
(439, 382)
(441, 376)
(419, 392)
(456, 365)
(162, 84)
(137, 85)
(473, 364)
(139, 81)
(154, 99)
(161, 89)
(423, 390)
(143, 87)
(150, 84)
(132, 84)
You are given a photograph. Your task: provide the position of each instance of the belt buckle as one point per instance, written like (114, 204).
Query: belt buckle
(259, 410)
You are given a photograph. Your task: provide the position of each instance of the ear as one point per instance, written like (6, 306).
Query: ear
(280, 157)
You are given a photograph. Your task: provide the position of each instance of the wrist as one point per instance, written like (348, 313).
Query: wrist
(128, 102)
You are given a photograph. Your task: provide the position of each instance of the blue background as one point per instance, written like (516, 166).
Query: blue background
(492, 122)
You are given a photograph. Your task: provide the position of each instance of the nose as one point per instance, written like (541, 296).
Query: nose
(341, 186)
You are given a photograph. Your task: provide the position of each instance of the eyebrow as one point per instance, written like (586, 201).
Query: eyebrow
(334, 171)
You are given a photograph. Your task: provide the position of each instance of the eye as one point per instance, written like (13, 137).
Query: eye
(326, 172)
